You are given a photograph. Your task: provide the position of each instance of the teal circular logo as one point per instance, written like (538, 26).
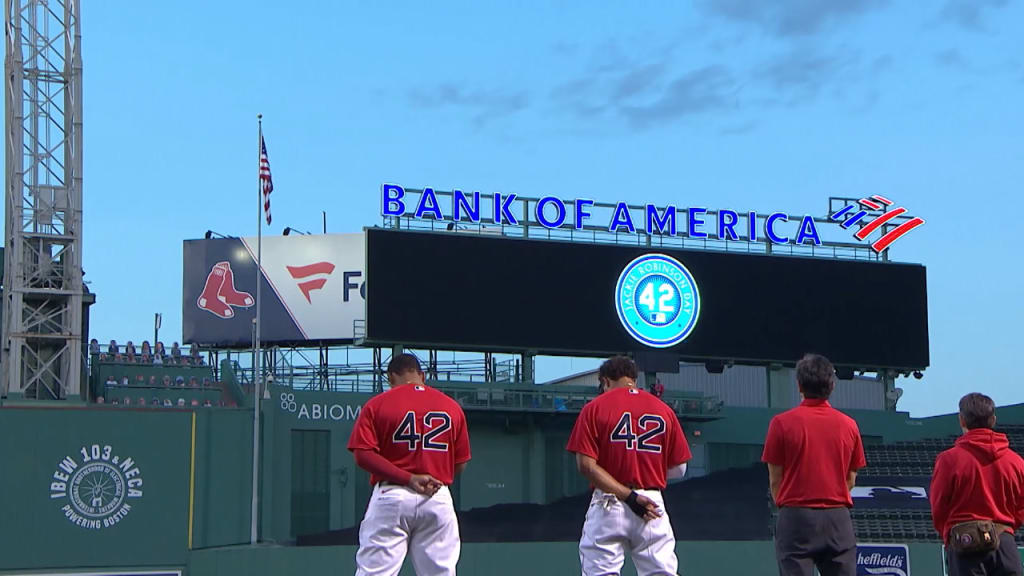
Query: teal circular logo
(657, 300)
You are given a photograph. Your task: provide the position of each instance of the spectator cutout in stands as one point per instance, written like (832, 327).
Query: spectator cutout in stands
(94, 347)
(175, 353)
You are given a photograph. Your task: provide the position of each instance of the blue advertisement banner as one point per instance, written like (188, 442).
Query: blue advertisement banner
(883, 560)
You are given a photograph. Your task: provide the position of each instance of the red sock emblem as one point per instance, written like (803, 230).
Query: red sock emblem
(210, 299)
(228, 293)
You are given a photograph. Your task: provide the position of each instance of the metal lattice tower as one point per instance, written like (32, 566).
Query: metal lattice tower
(42, 291)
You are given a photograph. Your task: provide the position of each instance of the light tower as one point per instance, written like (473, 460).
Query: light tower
(42, 354)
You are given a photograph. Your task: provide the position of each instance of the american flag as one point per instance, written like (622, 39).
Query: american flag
(265, 179)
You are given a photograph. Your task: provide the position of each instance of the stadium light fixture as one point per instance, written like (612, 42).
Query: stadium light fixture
(211, 234)
(714, 366)
(288, 230)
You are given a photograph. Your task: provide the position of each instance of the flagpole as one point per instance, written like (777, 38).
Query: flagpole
(257, 372)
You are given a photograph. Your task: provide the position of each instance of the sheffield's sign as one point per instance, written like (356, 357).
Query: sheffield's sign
(883, 560)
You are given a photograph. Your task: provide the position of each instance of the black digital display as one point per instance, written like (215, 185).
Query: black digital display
(476, 292)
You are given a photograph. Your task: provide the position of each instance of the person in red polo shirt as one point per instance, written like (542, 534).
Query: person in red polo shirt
(627, 443)
(412, 440)
(977, 495)
(813, 453)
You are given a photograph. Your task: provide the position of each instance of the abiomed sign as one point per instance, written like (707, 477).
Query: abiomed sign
(96, 485)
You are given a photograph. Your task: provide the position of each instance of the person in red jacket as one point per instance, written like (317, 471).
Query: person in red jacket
(979, 479)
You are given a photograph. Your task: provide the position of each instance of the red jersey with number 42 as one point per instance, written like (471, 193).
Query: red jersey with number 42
(633, 435)
(416, 428)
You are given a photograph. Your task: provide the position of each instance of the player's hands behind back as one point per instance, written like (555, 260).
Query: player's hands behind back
(642, 506)
(424, 484)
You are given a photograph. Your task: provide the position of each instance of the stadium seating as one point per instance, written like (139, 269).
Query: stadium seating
(184, 381)
(892, 513)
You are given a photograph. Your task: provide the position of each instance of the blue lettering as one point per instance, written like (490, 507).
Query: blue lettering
(769, 228)
(462, 203)
(752, 226)
(428, 203)
(390, 196)
(666, 221)
(621, 218)
(807, 230)
(559, 210)
(727, 220)
(694, 217)
(502, 212)
(581, 212)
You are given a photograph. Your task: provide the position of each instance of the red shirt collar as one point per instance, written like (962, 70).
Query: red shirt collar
(816, 402)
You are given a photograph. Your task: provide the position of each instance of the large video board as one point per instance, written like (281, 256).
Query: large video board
(476, 292)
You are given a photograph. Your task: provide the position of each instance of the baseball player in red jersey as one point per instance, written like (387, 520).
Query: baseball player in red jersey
(412, 440)
(628, 443)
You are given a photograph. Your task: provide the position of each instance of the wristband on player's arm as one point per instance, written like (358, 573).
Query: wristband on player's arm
(378, 465)
(635, 506)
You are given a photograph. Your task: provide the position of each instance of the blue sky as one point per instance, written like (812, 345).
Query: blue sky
(727, 103)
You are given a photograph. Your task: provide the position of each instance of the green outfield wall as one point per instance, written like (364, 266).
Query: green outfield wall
(90, 486)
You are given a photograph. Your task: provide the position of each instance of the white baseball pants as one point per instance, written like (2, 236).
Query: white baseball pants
(612, 528)
(399, 520)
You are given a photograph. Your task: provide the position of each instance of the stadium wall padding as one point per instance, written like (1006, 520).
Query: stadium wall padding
(36, 532)
(540, 559)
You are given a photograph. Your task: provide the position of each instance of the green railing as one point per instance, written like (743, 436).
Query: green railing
(550, 399)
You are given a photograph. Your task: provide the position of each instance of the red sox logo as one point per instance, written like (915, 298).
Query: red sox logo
(219, 295)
